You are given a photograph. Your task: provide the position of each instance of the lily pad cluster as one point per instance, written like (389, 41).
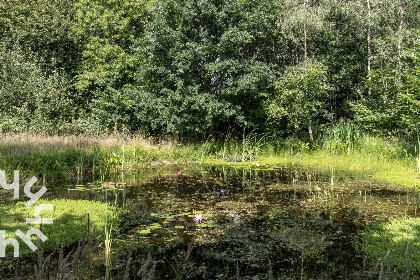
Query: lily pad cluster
(186, 221)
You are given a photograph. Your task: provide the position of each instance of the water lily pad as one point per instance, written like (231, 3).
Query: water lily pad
(202, 225)
(155, 226)
(213, 225)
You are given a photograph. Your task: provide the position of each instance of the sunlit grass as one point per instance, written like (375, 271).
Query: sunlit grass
(71, 218)
(393, 236)
(387, 160)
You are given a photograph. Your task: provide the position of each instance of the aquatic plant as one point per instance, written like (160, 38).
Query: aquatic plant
(198, 218)
(381, 237)
(108, 241)
(76, 264)
(71, 219)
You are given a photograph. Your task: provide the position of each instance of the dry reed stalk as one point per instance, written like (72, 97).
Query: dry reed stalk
(31, 142)
(144, 273)
(129, 257)
(382, 265)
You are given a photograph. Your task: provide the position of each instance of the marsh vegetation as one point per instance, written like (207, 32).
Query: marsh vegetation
(212, 139)
(134, 209)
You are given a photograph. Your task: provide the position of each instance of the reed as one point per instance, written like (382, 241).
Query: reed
(147, 270)
(391, 160)
(418, 151)
(71, 266)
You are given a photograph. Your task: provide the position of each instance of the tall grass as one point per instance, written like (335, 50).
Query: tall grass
(418, 151)
(340, 147)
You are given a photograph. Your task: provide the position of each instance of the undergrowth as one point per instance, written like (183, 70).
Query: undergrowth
(341, 147)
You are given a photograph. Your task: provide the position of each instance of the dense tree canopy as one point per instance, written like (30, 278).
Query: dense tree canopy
(205, 67)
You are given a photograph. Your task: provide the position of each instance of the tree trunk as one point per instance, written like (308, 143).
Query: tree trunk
(305, 48)
(304, 42)
(400, 37)
(310, 134)
(368, 45)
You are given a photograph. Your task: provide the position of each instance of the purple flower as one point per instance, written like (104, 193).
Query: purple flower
(112, 184)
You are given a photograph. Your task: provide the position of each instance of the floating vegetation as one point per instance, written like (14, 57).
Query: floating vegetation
(285, 219)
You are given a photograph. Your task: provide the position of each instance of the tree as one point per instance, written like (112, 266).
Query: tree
(109, 29)
(41, 29)
(300, 94)
(206, 65)
(38, 54)
(391, 103)
(301, 20)
(30, 100)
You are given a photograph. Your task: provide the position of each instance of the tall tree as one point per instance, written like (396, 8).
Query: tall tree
(109, 29)
(301, 92)
(389, 105)
(41, 29)
(301, 21)
(38, 54)
(206, 65)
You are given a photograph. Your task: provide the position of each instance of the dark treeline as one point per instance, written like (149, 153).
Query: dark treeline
(195, 68)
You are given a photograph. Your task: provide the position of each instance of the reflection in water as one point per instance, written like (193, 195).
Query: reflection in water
(284, 222)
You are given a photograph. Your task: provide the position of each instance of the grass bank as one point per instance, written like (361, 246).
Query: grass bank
(392, 161)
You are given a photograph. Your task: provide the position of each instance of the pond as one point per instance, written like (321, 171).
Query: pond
(216, 222)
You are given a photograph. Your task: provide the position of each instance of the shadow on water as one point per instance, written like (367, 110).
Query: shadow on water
(207, 222)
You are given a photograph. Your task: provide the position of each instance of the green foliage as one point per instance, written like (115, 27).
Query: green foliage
(69, 224)
(41, 29)
(108, 64)
(206, 64)
(381, 237)
(30, 100)
(200, 68)
(301, 91)
(343, 137)
(393, 106)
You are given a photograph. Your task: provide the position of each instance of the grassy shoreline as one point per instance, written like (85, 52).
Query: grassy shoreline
(66, 157)
(57, 157)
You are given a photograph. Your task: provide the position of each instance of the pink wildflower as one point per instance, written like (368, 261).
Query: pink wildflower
(176, 172)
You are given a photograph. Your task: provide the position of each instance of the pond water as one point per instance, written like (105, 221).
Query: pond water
(212, 222)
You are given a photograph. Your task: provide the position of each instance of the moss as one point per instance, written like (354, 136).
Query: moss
(399, 175)
(381, 237)
(70, 221)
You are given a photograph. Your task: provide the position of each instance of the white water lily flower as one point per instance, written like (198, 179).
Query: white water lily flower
(198, 218)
